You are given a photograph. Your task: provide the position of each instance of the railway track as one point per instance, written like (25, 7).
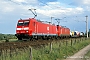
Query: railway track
(13, 45)
(8, 45)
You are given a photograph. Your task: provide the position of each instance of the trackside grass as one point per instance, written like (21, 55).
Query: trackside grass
(59, 50)
(56, 50)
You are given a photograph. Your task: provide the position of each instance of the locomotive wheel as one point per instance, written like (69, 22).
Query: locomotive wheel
(30, 39)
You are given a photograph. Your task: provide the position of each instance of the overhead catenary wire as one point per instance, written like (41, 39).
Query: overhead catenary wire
(19, 3)
(51, 7)
(44, 4)
(38, 0)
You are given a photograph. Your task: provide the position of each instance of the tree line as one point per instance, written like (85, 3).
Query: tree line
(7, 36)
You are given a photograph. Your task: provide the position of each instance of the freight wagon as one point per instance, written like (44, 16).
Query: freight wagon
(75, 34)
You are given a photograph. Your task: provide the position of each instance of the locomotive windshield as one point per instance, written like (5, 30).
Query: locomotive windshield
(25, 23)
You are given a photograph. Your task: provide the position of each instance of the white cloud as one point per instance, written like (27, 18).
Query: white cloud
(53, 3)
(79, 8)
(19, 0)
(8, 9)
(46, 10)
(59, 12)
(26, 2)
(86, 2)
(82, 2)
(14, 5)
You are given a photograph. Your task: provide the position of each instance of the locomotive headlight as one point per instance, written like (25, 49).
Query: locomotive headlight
(26, 31)
(18, 28)
(26, 28)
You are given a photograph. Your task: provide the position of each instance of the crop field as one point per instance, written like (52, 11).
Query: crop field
(38, 50)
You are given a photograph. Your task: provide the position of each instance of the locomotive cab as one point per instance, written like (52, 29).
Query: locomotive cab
(23, 26)
(23, 29)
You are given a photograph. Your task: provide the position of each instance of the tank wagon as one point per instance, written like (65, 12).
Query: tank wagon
(34, 29)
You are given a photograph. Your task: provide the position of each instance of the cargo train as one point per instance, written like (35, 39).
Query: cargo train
(35, 29)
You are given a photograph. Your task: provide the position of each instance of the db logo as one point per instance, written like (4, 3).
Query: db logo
(47, 28)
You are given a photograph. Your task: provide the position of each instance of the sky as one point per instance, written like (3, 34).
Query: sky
(71, 13)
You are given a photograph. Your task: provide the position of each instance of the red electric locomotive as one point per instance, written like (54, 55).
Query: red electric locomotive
(32, 28)
(63, 32)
